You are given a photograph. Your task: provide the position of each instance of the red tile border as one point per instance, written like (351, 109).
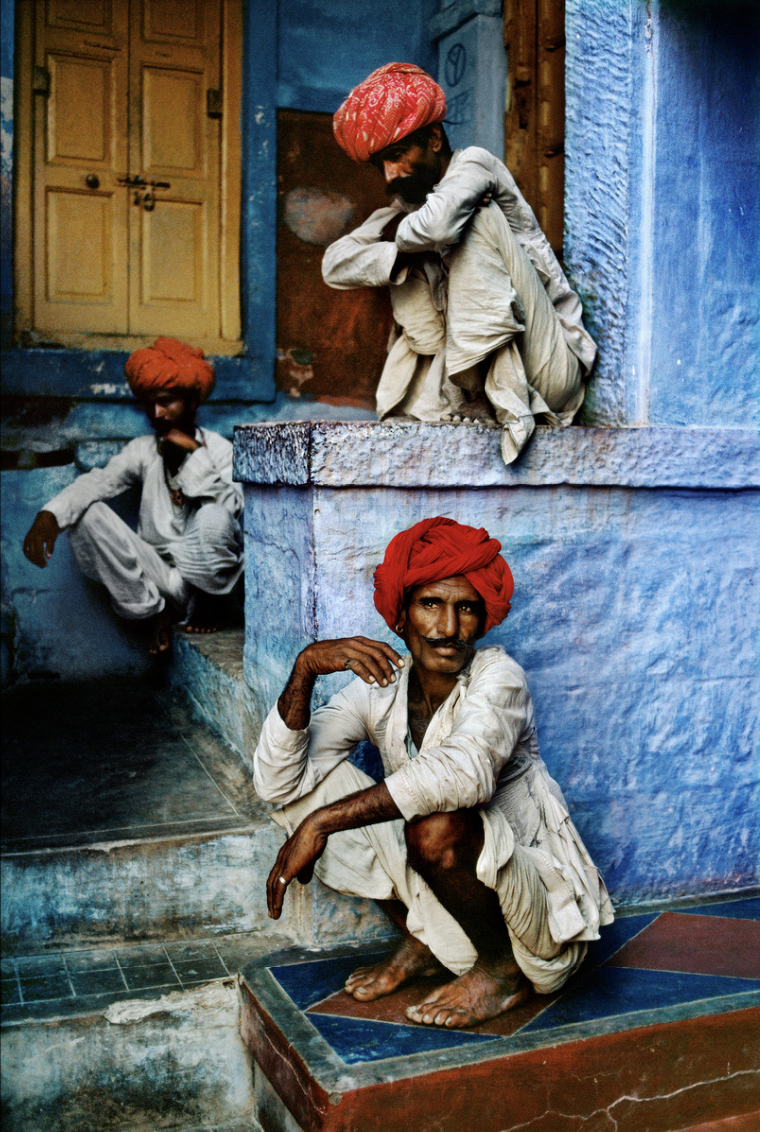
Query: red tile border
(391, 1009)
(699, 945)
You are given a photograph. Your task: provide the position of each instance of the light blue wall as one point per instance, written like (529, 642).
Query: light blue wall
(662, 212)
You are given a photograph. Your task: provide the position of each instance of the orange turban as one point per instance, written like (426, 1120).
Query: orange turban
(169, 364)
(441, 548)
(391, 103)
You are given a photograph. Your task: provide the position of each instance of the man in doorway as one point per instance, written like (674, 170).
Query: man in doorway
(487, 325)
(467, 844)
(187, 551)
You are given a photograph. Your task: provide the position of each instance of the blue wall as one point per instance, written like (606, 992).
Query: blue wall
(706, 231)
(662, 212)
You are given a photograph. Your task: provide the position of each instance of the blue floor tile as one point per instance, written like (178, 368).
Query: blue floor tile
(356, 1040)
(616, 935)
(611, 991)
(308, 983)
(731, 909)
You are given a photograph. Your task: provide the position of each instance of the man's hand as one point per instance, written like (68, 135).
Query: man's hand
(296, 858)
(180, 439)
(372, 660)
(40, 540)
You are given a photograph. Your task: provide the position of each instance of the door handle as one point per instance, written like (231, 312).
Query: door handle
(92, 181)
(149, 200)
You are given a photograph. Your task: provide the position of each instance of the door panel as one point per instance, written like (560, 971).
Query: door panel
(171, 122)
(174, 20)
(79, 125)
(80, 245)
(174, 60)
(122, 96)
(81, 15)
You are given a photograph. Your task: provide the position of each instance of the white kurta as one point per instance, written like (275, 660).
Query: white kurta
(488, 287)
(178, 546)
(480, 750)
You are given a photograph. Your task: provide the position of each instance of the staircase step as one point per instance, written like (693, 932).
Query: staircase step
(207, 672)
(127, 819)
(659, 1030)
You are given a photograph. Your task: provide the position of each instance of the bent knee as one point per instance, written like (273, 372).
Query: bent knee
(215, 522)
(96, 518)
(444, 840)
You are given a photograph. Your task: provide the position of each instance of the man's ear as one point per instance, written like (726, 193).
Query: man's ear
(401, 624)
(436, 139)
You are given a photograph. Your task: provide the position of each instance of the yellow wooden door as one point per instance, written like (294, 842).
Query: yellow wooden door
(80, 142)
(174, 260)
(135, 175)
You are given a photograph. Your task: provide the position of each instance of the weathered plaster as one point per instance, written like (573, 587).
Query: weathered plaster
(185, 1063)
(410, 454)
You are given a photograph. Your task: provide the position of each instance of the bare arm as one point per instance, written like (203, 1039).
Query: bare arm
(373, 662)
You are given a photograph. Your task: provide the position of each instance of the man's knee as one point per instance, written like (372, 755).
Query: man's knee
(444, 841)
(96, 521)
(216, 525)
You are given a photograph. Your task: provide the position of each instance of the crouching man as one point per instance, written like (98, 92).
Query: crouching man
(467, 844)
(188, 548)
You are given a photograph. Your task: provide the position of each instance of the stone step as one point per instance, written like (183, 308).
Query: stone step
(207, 673)
(126, 819)
(660, 1029)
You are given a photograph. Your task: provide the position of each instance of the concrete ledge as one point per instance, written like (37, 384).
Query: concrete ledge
(402, 453)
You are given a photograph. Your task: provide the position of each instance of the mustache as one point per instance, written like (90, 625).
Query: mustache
(449, 643)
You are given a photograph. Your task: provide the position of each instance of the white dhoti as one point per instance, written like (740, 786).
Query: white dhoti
(500, 334)
(371, 862)
(207, 557)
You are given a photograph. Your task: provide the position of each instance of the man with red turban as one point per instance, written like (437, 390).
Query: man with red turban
(187, 550)
(486, 323)
(467, 843)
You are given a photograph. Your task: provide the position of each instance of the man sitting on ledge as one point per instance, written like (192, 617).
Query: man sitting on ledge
(467, 844)
(188, 549)
(486, 324)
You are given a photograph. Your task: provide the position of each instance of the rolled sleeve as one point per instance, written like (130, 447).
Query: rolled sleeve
(362, 258)
(206, 475)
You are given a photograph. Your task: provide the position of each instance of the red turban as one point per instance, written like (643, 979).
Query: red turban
(391, 103)
(169, 364)
(440, 548)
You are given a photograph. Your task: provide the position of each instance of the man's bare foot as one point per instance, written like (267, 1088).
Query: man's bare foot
(413, 960)
(478, 409)
(205, 613)
(160, 634)
(481, 993)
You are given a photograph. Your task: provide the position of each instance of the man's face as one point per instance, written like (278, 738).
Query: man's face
(410, 171)
(170, 409)
(441, 623)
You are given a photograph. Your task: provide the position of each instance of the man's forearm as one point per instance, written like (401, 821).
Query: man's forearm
(375, 804)
(294, 705)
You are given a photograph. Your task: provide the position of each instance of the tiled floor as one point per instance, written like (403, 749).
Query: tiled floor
(663, 1000)
(643, 965)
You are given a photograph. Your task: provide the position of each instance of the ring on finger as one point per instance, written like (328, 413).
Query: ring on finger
(283, 881)
(348, 662)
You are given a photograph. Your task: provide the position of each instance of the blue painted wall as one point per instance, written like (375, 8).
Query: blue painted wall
(705, 367)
